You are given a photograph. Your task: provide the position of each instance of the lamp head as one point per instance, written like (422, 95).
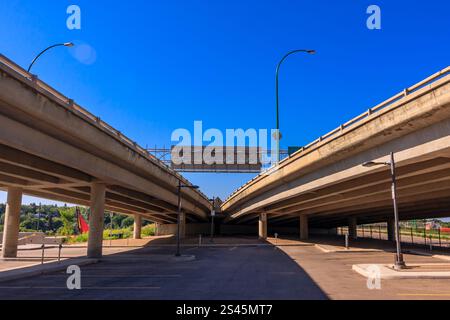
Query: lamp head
(374, 164)
(311, 51)
(69, 44)
(190, 187)
(369, 164)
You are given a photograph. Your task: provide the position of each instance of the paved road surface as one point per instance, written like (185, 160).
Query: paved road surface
(262, 272)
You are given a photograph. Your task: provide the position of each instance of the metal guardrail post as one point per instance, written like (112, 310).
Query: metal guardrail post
(200, 240)
(412, 236)
(43, 253)
(59, 252)
(405, 92)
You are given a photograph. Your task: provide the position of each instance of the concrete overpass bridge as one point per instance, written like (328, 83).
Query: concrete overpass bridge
(324, 184)
(50, 147)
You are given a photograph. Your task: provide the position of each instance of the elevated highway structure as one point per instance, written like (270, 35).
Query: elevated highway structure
(50, 147)
(324, 185)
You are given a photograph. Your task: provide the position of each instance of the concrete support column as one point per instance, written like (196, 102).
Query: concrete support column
(352, 228)
(262, 226)
(182, 225)
(12, 220)
(157, 226)
(137, 226)
(391, 229)
(304, 231)
(95, 240)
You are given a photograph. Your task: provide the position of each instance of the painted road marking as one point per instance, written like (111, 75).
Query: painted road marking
(91, 268)
(82, 288)
(122, 276)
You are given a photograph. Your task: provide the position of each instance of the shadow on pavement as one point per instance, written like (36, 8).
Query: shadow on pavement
(248, 272)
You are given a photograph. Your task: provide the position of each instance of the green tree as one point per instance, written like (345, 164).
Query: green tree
(127, 222)
(67, 216)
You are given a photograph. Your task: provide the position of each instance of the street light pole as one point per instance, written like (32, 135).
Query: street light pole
(213, 213)
(277, 136)
(66, 44)
(399, 262)
(177, 254)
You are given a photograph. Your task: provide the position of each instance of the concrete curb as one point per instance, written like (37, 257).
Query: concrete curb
(350, 250)
(387, 273)
(149, 258)
(212, 245)
(39, 269)
(428, 254)
(441, 256)
(293, 245)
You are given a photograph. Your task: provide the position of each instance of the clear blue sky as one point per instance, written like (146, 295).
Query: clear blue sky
(155, 66)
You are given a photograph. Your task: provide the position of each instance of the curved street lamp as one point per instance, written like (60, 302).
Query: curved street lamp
(399, 262)
(277, 132)
(66, 44)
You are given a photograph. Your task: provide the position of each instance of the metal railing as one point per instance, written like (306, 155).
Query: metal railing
(165, 155)
(408, 235)
(69, 104)
(355, 121)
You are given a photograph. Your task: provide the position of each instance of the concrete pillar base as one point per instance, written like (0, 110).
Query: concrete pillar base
(95, 240)
(137, 226)
(262, 226)
(12, 221)
(304, 230)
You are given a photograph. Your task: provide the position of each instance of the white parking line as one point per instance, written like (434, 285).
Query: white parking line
(82, 288)
(120, 276)
(147, 268)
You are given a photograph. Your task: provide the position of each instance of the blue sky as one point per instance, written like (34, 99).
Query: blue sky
(150, 67)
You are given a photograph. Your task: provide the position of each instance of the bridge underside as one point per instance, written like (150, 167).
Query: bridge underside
(329, 186)
(52, 148)
(423, 187)
(46, 179)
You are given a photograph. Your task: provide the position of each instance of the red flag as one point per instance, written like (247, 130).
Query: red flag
(83, 227)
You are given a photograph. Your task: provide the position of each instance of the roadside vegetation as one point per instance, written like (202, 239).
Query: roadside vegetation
(62, 222)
